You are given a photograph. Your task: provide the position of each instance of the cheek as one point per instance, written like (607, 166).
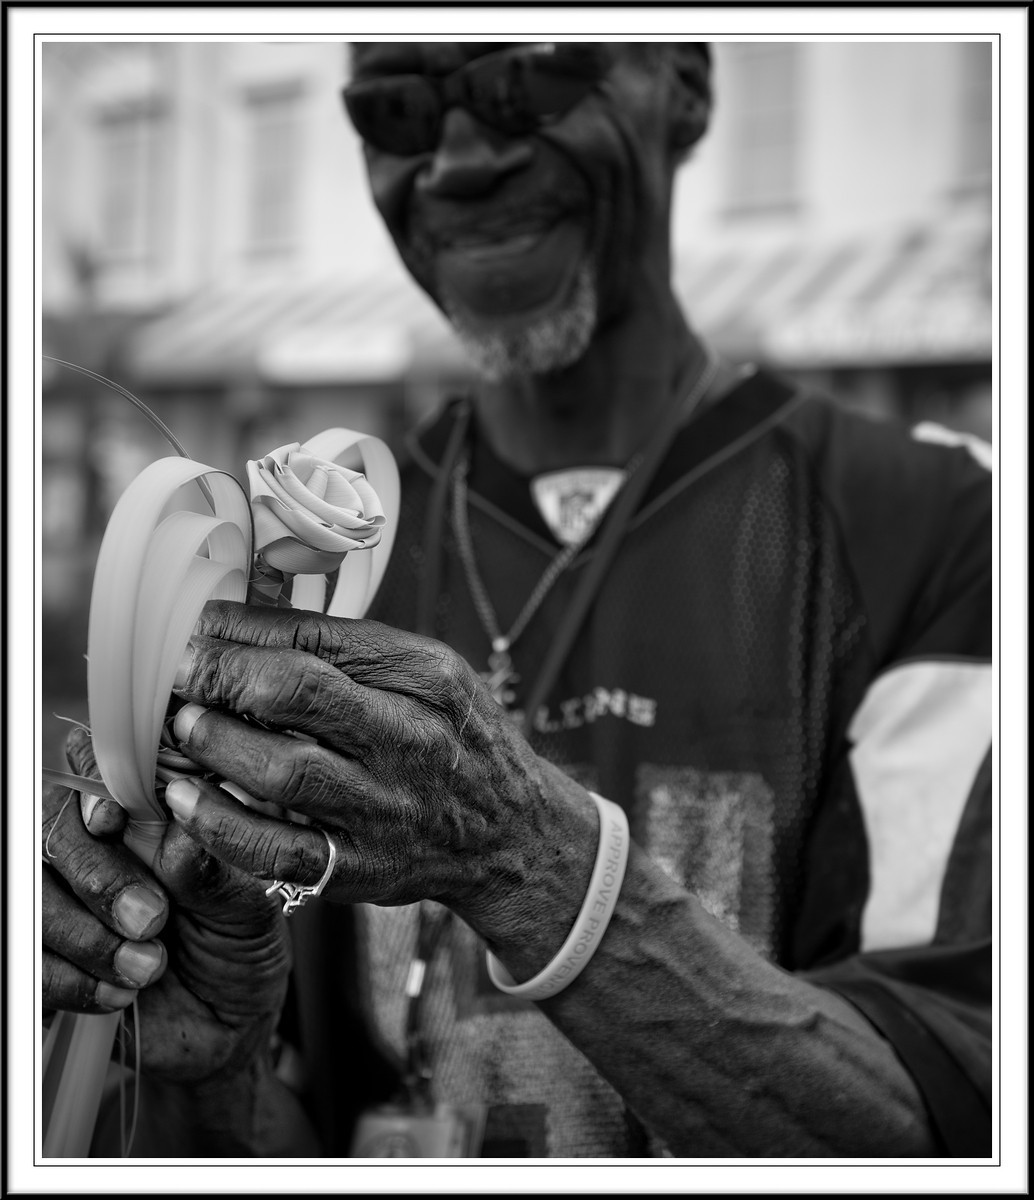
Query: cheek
(625, 207)
(391, 184)
(622, 162)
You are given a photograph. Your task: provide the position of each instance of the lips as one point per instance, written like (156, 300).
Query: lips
(440, 225)
(512, 269)
(499, 244)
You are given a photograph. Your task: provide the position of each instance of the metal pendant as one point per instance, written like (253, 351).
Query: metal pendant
(500, 676)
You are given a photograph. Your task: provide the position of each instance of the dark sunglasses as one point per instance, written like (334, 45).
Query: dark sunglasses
(516, 91)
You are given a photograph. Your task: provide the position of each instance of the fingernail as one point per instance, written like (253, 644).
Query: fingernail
(138, 963)
(186, 719)
(136, 910)
(89, 804)
(113, 997)
(183, 670)
(181, 796)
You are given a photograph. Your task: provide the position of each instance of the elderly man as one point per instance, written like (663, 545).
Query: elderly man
(664, 828)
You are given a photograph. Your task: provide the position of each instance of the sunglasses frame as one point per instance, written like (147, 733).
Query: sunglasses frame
(460, 89)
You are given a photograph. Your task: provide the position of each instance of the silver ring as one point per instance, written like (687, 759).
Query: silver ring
(296, 895)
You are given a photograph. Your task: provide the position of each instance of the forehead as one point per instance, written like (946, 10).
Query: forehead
(417, 58)
(370, 59)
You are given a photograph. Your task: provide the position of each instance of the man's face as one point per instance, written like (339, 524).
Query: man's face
(530, 234)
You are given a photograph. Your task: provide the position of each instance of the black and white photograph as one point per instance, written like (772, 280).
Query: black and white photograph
(514, 544)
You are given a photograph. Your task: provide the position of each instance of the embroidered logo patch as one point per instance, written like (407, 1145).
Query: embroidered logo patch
(572, 502)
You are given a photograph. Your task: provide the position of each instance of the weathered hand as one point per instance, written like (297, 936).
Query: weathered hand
(407, 761)
(196, 941)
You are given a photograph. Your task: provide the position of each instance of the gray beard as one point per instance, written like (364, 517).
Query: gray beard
(544, 345)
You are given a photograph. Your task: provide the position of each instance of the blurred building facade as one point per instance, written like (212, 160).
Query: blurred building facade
(208, 241)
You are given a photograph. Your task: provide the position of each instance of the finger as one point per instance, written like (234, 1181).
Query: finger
(373, 655)
(66, 986)
(290, 772)
(286, 689)
(364, 646)
(252, 842)
(201, 884)
(110, 880)
(76, 935)
(276, 628)
(103, 817)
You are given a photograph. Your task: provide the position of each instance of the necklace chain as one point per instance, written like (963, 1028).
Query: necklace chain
(501, 676)
(557, 565)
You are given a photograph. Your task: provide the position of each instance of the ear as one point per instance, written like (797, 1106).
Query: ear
(691, 93)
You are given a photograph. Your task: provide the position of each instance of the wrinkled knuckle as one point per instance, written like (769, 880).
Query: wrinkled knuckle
(437, 745)
(286, 685)
(458, 687)
(269, 859)
(395, 725)
(307, 691)
(297, 774)
(78, 862)
(238, 842)
(264, 683)
(83, 945)
(204, 677)
(451, 670)
(314, 634)
(219, 618)
(103, 886)
(287, 860)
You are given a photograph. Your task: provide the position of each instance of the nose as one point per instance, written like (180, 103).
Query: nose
(471, 158)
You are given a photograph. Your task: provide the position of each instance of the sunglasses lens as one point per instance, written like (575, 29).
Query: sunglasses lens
(400, 115)
(516, 92)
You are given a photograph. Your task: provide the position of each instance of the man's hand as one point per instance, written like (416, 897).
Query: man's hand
(405, 759)
(196, 941)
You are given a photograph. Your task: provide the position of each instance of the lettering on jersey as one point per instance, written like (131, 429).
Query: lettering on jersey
(601, 702)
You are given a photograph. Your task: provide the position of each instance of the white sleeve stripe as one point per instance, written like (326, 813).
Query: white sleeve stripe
(930, 431)
(919, 738)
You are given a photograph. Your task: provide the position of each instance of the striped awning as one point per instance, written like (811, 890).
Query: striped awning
(909, 297)
(368, 329)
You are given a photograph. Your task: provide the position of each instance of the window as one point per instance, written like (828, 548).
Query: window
(131, 160)
(274, 156)
(974, 112)
(764, 124)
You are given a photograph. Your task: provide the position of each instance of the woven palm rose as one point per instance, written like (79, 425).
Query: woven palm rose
(309, 513)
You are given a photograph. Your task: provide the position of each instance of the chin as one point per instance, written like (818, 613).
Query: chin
(541, 343)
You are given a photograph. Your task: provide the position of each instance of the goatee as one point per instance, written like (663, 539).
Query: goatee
(546, 344)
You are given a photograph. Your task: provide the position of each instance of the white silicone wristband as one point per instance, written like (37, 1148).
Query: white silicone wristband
(592, 922)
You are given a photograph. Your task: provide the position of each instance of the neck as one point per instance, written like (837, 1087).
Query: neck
(599, 411)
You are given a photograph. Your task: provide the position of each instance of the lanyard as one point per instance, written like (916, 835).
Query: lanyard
(431, 925)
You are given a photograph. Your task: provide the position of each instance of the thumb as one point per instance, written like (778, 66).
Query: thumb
(223, 896)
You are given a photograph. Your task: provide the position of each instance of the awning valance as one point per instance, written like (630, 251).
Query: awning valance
(911, 297)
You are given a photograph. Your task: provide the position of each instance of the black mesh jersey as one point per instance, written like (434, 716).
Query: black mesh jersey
(784, 680)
